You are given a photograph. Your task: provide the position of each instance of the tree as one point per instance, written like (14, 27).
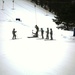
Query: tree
(63, 9)
(66, 16)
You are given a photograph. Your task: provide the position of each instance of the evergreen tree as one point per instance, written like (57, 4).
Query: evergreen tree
(63, 9)
(66, 15)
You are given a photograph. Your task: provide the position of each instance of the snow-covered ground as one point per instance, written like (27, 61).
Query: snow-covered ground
(33, 56)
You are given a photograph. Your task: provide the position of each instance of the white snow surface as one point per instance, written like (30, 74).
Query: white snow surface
(33, 56)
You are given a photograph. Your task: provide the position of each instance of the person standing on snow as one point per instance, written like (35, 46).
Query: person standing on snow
(47, 33)
(37, 30)
(42, 33)
(51, 34)
(14, 33)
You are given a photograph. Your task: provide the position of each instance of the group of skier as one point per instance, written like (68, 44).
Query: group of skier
(37, 32)
(51, 33)
(42, 33)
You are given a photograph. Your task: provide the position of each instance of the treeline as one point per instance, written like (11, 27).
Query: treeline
(63, 9)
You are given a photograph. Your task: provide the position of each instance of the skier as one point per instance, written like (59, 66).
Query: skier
(37, 30)
(42, 32)
(47, 33)
(14, 33)
(74, 32)
(51, 34)
(34, 34)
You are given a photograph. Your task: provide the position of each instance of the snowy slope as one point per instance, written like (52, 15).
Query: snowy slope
(29, 15)
(26, 56)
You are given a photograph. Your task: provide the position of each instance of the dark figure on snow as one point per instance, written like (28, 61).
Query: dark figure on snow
(14, 33)
(74, 32)
(34, 34)
(47, 33)
(51, 34)
(42, 33)
(37, 30)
